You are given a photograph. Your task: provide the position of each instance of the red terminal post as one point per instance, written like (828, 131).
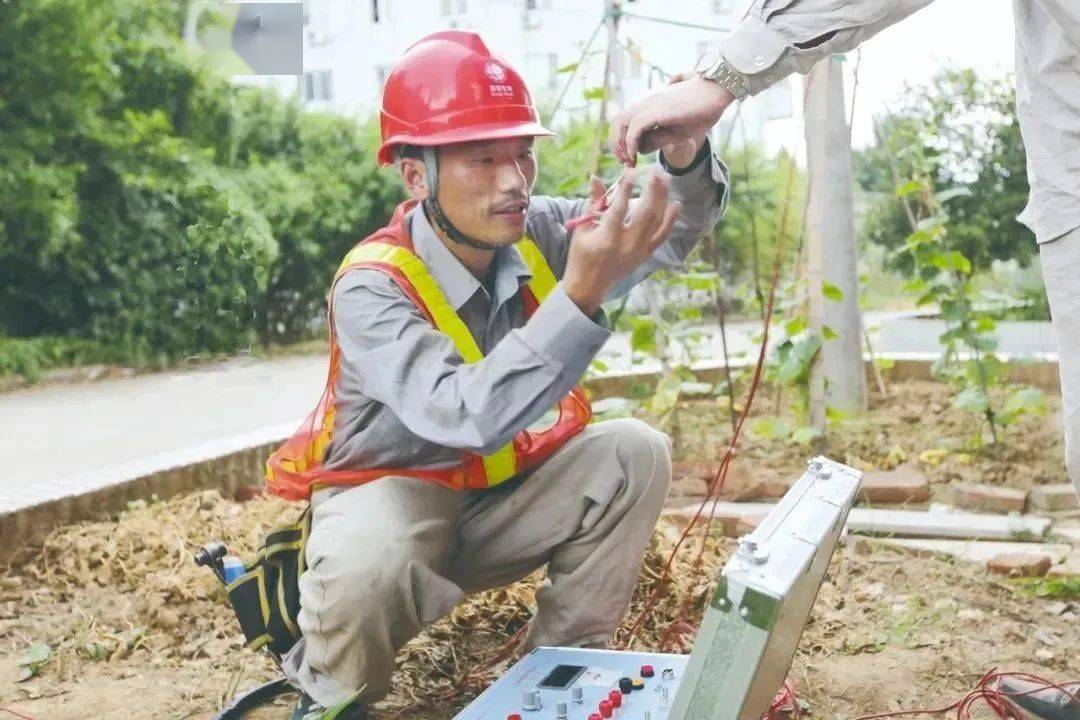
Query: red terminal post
(615, 698)
(647, 671)
(595, 716)
(513, 716)
(606, 709)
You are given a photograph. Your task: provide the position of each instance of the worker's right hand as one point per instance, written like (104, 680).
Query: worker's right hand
(604, 253)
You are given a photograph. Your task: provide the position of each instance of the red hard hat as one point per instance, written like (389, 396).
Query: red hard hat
(449, 88)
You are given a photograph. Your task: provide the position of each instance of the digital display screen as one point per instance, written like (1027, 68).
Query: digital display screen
(562, 677)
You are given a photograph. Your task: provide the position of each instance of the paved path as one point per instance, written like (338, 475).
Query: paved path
(56, 439)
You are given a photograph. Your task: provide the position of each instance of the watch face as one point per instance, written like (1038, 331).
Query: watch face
(707, 60)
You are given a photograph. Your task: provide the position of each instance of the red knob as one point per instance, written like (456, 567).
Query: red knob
(615, 698)
(513, 716)
(605, 708)
(647, 671)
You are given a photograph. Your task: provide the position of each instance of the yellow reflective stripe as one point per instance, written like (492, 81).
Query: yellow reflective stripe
(543, 280)
(446, 319)
(501, 464)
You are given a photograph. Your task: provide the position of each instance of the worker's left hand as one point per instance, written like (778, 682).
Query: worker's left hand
(685, 109)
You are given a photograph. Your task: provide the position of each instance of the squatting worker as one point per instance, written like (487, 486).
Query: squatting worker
(780, 36)
(456, 328)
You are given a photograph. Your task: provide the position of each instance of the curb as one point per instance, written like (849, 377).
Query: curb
(236, 461)
(222, 464)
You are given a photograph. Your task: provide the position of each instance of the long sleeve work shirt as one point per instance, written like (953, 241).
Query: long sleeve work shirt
(405, 398)
(778, 37)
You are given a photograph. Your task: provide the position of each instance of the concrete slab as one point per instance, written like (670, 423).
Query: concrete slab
(977, 551)
(915, 523)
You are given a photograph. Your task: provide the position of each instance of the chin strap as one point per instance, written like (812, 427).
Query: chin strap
(433, 209)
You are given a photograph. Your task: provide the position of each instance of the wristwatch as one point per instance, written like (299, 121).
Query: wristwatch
(712, 66)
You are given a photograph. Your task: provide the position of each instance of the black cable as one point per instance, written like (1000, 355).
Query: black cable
(245, 702)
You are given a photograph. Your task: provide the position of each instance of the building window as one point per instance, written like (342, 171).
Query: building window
(374, 11)
(446, 7)
(553, 70)
(462, 7)
(723, 7)
(381, 73)
(318, 86)
(530, 4)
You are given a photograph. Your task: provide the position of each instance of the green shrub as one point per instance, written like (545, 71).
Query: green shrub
(154, 208)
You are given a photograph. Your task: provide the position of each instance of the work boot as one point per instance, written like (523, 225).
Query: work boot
(308, 709)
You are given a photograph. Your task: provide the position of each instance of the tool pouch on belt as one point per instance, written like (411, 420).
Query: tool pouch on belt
(266, 597)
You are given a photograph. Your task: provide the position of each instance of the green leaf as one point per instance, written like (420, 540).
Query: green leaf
(692, 389)
(805, 435)
(952, 260)
(643, 335)
(771, 428)
(1026, 401)
(828, 333)
(599, 366)
(572, 143)
(794, 326)
(946, 195)
(666, 396)
(595, 93)
(911, 186)
(972, 400)
(569, 186)
(35, 658)
(568, 68)
(831, 292)
(931, 223)
(835, 414)
(36, 654)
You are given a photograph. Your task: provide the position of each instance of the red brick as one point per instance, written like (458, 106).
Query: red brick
(248, 492)
(1054, 497)
(694, 469)
(1069, 567)
(988, 497)
(762, 490)
(905, 484)
(1020, 564)
(722, 523)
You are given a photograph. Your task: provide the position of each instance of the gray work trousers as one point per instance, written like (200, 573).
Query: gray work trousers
(1061, 272)
(387, 558)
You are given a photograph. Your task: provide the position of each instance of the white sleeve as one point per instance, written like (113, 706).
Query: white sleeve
(778, 37)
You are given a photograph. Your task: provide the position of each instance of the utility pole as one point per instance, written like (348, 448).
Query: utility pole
(612, 13)
(837, 376)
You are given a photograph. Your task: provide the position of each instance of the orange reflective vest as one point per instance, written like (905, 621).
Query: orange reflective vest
(296, 468)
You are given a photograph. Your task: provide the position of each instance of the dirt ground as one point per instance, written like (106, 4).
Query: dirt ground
(137, 631)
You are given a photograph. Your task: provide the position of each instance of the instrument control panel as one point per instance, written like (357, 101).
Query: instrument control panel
(582, 684)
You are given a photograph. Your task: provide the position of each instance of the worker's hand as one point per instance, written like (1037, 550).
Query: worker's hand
(680, 154)
(604, 253)
(685, 109)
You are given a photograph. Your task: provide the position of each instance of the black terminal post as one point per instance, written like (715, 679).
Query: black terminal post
(211, 556)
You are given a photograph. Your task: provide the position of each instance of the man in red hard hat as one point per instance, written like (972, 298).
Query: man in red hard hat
(431, 470)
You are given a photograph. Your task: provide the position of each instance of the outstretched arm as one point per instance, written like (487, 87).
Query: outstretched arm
(776, 38)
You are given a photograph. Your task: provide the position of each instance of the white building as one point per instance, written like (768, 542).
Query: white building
(350, 46)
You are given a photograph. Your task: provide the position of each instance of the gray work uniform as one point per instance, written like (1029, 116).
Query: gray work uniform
(388, 557)
(778, 37)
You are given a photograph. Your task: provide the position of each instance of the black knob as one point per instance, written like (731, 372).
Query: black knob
(626, 685)
(210, 554)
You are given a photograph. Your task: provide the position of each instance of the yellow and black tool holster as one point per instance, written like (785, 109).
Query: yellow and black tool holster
(266, 597)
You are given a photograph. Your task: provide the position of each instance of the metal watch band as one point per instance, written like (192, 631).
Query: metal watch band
(726, 77)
